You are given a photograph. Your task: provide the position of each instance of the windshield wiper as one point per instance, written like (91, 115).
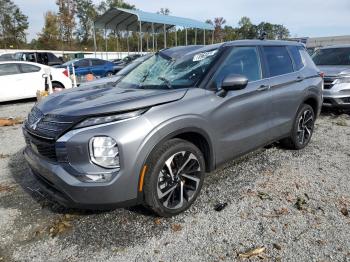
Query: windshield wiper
(166, 82)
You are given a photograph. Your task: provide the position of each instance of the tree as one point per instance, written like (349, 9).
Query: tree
(86, 14)
(273, 31)
(164, 11)
(13, 24)
(246, 28)
(218, 34)
(50, 35)
(107, 4)
(230, 33)
(66, 15)
(281, 32)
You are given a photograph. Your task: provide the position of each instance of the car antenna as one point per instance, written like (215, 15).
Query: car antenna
(263, 36)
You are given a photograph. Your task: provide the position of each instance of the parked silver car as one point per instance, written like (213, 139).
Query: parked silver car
(334, 61)
(183, 112)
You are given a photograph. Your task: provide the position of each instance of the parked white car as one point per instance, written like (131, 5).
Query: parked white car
(20, 80)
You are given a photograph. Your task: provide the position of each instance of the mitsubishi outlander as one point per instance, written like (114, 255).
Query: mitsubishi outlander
(151, 138)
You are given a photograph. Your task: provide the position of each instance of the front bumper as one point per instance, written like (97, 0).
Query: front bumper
(338, 96)
(58, 166)
(67, 190)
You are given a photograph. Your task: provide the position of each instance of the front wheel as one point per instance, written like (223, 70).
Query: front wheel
(174, 178)
(302, 129)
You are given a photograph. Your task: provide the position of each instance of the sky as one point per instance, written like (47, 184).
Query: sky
(310, 18)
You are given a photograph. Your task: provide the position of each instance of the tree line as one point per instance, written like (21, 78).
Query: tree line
(70, 28)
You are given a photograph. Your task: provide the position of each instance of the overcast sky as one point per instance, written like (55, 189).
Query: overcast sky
(301, 17)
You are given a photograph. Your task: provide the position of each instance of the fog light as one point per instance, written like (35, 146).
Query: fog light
(104, 151)
(96, 178)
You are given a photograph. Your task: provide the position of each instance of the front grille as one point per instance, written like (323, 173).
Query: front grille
(47, 126)
(328, 82)
(45, 148)
(327, 101)
(346, 100)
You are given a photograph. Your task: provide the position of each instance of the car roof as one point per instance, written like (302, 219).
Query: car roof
(179, 51)
(335, 46)
(22, 62)
(263, 42)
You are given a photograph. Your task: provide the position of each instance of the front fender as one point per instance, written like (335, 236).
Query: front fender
(172, 128)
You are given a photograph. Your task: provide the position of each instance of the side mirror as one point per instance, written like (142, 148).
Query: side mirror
(45, 75)
(234, 82)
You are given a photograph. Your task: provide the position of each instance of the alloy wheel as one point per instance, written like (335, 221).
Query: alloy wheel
(305, 127)
(179, 180)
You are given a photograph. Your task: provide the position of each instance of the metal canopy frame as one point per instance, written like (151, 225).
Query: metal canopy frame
(121, 19)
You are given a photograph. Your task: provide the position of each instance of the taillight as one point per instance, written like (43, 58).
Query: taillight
(321, 74)
(65, 72)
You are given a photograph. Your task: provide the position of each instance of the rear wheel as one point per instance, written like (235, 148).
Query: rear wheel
(175, 177)
(109, 74)
(56, 87)
(302, 129)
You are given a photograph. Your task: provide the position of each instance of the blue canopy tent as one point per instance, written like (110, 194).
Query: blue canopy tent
(121, 19)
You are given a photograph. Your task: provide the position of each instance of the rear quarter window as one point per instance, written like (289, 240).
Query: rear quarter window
(295, 53)
(278, 60)
(29, 68)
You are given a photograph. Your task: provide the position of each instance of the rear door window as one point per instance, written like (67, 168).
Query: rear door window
(97, 62)
(9, 69)
(295, 52)
(278, 60)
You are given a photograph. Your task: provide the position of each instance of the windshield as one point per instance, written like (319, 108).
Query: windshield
(133, 65)
(161, 71)
(332, 56)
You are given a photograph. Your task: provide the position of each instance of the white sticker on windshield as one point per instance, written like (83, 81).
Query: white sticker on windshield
(204, 55)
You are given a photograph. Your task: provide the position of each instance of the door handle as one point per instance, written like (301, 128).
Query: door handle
(263, 87)
(300, 78)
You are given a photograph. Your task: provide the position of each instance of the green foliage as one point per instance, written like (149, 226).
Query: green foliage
(13, 25)
(273, 31)
(66, 19)
(86, 14)
(49, 38)
(107, 4)
(164, 11)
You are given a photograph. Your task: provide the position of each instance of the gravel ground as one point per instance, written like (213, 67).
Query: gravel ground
(294, 204)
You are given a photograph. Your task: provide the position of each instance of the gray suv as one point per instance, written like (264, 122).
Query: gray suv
(334, 62)
(185, 111)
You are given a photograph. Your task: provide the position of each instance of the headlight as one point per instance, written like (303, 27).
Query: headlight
(343, 80)
(104, 151)
(111, 118)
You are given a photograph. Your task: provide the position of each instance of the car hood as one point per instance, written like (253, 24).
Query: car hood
(102, 81)
(78, 102)
(335, 70)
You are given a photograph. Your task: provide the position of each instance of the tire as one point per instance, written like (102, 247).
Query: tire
(162, 191)
(109, 74)
(302, 129)
(56, 87)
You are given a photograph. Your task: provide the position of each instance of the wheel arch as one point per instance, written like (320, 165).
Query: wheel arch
(195, 135)
(201, 140)
(314, 103)
(58, 82)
